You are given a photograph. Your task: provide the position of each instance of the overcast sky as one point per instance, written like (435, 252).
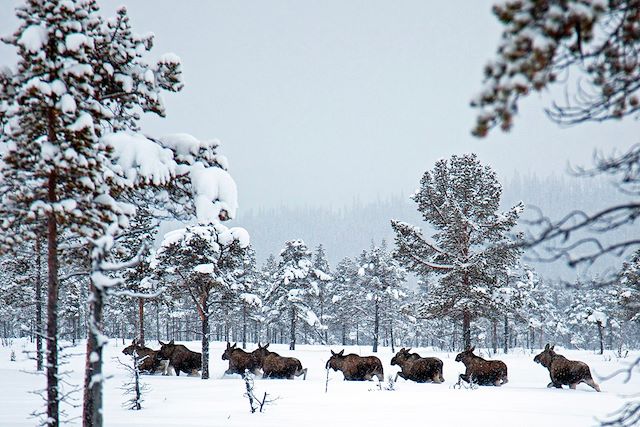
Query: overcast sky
(321, 102)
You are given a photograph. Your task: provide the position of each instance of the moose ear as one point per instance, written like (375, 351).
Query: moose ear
(472, 348)
(266, 346)
(341, 352)
(408, 350)
(171, 342)
(552, 347)
(546, 347)
(332, 353)
(234, 345)
(228, 344)
(259, 346)
(161, 343)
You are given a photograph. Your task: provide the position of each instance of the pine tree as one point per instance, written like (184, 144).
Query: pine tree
(629, 295)
(381, 281)
(322, 273)
(202, 262)
(292, 289)
(67, 90)
(469, 246)
(346, 302)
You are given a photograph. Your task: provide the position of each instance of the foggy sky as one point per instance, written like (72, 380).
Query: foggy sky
(323, 102)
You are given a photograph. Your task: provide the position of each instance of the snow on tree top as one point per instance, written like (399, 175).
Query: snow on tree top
(169, 58)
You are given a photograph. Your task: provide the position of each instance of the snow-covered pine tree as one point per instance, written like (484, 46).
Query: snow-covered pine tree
(202, 261)
(268, 316)
(322, 271)
(244, 290)
(66, 91)
(629, 295)
(292, 290)
(381, 281)
(347, 299)
(470, 244)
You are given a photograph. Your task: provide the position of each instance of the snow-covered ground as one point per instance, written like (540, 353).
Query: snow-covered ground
(190, 401)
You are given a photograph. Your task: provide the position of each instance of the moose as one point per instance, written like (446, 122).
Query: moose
(354, 367)
(480, 371)
(180, 357)
(416, 368)
(564, 371)
(240, 360)
(148, 360)
(275, 366)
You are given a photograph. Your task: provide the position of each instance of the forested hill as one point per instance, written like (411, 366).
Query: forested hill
(349, 230)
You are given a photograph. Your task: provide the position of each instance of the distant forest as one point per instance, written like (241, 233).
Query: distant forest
(347, 231)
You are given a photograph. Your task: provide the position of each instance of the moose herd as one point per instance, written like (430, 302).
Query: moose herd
(413, 367)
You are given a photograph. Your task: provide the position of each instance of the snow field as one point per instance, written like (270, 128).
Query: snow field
(219, 401)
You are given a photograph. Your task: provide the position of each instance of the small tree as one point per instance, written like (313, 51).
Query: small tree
(202, 261)
(293, 288)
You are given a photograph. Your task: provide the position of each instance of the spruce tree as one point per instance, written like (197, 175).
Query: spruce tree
(293, 288)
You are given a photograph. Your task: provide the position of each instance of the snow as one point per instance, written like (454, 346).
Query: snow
(84, 121)
(33, 38)
(169, 58)
(190, 401)
(141, 158)
(214, 191)
(68, 104)
(75, 41)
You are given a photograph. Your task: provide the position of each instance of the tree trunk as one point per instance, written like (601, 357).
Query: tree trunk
(39, 330)
(292, 342)
(157, 320)
(494, 338)
(141, 321)
(53, 402)
(376, 327)
(205, 341)
(244, 326)
(393, 349)
(466, 329)
(92, 407)
(600, 336)
(506, 334)
(344, 334)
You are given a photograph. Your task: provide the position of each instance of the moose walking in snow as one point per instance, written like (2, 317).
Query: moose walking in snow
(275, 366)
(240, 360)
(356, 368)
(180, 357)
(416, 368)
(563, 371)
(480, 371)
(148, 360)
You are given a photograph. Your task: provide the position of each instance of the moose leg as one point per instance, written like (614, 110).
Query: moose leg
(401, 375)
(464, 377)
(591, 383)
(302, 372)
(573, 386)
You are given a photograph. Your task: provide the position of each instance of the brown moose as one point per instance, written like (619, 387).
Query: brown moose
(480, 371)
(148, 360)
(240, 360)
(416, 368)
(354, 367)
(563, 371)
(275, 366)
(180, 357)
